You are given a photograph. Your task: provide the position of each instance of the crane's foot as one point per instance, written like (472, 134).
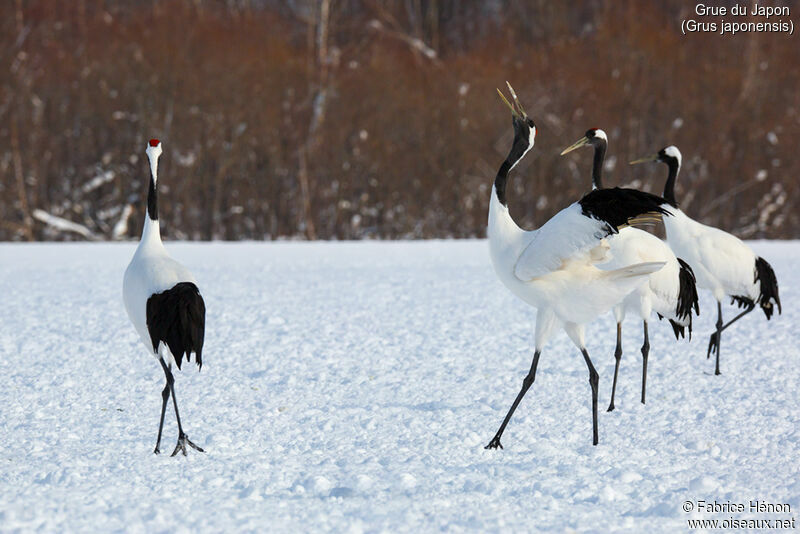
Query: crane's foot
(611, 407)
(495, 443)
(183, 441)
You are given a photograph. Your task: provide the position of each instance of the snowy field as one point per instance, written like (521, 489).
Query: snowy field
(351, 387)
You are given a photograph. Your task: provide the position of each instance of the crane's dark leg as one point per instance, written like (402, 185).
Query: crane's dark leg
(527, 382)
(183, 439)
(645, 354)
(164, 398)
(593, 380)
(618, 357)
(714, 341)
(750, 308)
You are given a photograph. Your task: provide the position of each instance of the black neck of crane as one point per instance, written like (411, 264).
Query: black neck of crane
(152, 200)
(518, 150)
(597, 166)
(501, 181)
(669, 187)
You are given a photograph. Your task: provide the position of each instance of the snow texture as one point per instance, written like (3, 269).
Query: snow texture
(351, 387)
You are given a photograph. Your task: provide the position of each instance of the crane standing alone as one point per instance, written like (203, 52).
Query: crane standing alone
(163, 303)
(721, 262)
(554, 268)
(671, 291)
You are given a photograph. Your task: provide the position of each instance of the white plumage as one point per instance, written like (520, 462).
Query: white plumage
(722, 263)
(660, 292)
(669, 292)
(555, 268)
(163, 302)
(150, 271)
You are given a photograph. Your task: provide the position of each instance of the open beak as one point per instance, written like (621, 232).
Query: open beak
(645, 159)
(516, 108)
(577, 144)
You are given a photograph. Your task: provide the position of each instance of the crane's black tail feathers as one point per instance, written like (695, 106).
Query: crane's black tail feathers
(177, 317)
(769, 287)
(619, 206)
(687, 301)
(676, 327)
(687, 298)
(679, 329)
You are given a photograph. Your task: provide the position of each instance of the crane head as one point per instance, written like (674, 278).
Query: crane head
(593, 137)
(665, 155)
(524, 127)
(153, 148)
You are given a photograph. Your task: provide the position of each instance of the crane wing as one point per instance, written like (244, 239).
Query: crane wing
(575, 232)
(729, 259)
(567, 236)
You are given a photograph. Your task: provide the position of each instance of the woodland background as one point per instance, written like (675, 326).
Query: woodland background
(349, 119)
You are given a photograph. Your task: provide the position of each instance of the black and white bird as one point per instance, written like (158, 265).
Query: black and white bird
(554, 268)
(670, 291)
(722, 263)
(163, 303)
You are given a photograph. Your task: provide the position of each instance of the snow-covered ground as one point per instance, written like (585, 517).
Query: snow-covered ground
(351, 387)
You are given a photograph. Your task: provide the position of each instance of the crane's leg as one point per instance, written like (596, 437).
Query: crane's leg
(576, 333)
(618, 357)
(645, 354)
(593, 381)
(164, 398)
(527, 382)
(183, 439)
(750, 308)
(714, 341)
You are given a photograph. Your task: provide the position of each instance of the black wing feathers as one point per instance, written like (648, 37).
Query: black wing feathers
(687, 292)
(177, 317)
(616, 206)
(687, 298)
(678, 329)
(769, 287)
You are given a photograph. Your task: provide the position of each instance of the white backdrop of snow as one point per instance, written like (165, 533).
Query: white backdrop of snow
(351, 387)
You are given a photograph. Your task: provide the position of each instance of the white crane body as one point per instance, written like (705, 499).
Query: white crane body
(722, 263)
(163, 303)
(555, 267)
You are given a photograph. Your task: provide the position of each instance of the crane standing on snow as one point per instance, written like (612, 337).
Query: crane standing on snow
(554, 268)
(671, 291)
(721, 262)
(163, 303)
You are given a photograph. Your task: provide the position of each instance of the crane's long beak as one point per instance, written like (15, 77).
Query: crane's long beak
(516, 108)
(577, 144)
(651, 157)
(507, 103)
(520, 109)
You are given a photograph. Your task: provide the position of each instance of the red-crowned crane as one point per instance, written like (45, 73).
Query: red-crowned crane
(670, 292)
(554, 268)
(722, 263)
(163, 303)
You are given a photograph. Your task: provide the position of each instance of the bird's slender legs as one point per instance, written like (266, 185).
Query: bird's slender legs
(713, 342)
(618, 357)
(526, 384)
(645, 354)
(183, 439)
(593, 380)
(164, 397)
(750, 308)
